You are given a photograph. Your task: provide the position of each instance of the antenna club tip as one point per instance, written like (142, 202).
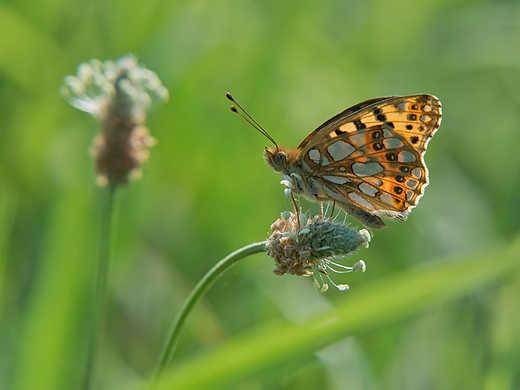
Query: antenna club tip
(228, 95)
(233, 108)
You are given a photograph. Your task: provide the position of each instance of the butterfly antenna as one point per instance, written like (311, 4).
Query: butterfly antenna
(249, 119)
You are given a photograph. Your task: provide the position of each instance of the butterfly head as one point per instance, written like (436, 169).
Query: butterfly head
(281, 159)
(276, 158)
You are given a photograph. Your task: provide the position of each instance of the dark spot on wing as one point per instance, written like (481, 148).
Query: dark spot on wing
(359, 125)
(391, 156)
(378, 146)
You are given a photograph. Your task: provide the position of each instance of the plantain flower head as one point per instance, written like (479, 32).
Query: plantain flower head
(119, 94)
(307, 246)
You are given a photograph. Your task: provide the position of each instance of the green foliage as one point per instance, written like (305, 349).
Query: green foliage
(367, 309)
(420, 317)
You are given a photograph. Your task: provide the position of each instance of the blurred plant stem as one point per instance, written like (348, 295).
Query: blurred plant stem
(118, 94)
(99, 307)
(198, 291)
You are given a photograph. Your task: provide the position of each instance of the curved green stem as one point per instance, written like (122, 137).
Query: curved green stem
(101, 287)
(202, 286)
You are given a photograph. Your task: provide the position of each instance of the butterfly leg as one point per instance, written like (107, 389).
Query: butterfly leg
(321, 210)
(366, 218)
(295, 205)
(332, 210)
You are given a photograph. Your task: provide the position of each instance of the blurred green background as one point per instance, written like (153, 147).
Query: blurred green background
(206, 191)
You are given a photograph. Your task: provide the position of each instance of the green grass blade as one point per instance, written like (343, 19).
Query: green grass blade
(372, 306)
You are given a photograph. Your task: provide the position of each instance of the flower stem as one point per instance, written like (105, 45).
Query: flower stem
(101, 287)
(202, 286)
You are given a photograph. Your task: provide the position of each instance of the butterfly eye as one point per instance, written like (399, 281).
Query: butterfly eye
(280, 159)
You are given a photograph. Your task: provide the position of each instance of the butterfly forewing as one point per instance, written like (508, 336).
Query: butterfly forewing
(372, 155)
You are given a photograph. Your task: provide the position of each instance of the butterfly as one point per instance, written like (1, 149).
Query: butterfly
(368, 159)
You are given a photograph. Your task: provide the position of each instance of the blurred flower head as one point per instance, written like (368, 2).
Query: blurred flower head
(119, 94)
(309, 246)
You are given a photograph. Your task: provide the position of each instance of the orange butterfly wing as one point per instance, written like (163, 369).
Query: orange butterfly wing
(371, 156)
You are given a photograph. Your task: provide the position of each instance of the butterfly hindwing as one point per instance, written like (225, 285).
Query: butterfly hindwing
(371, 155)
